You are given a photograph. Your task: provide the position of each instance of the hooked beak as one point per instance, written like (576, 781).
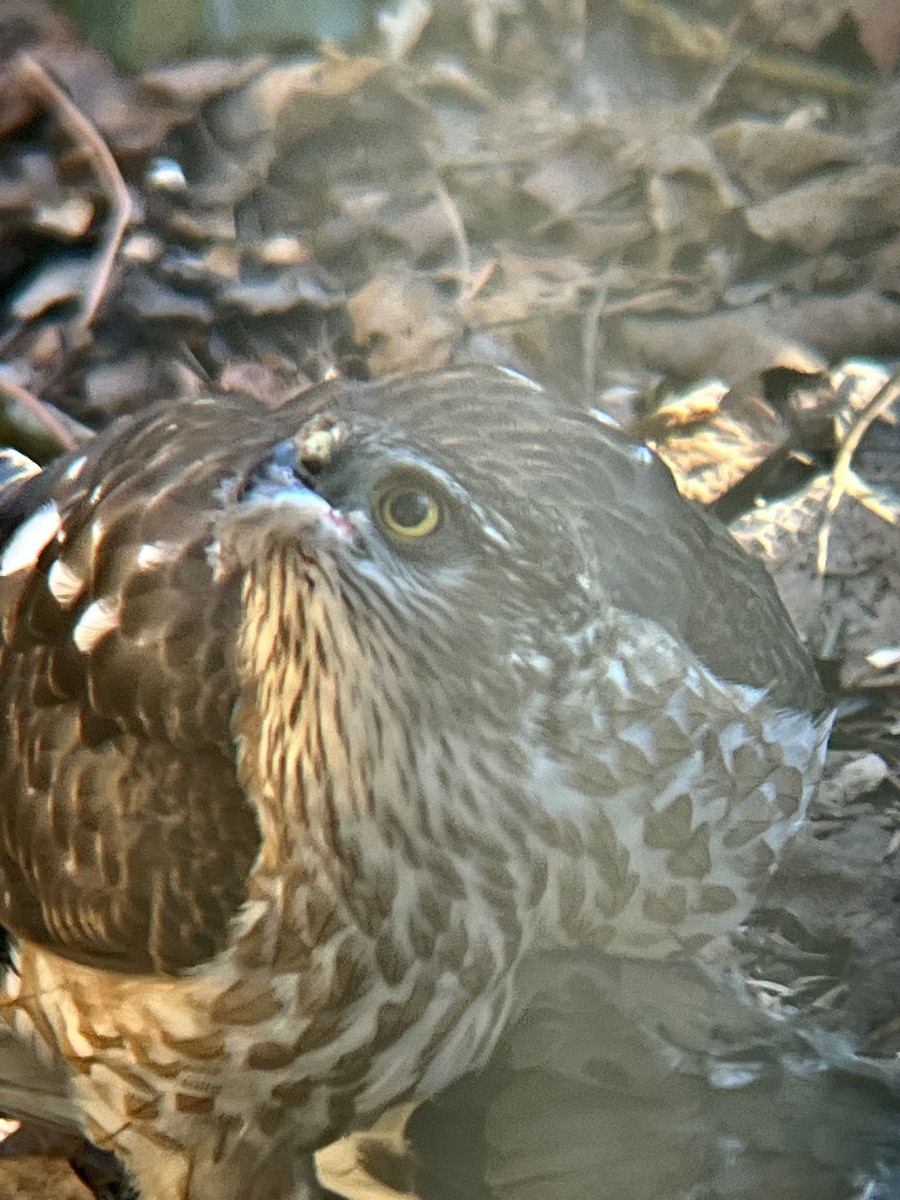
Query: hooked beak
(275, 504)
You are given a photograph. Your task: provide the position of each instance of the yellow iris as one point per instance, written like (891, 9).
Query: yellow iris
(407, 511)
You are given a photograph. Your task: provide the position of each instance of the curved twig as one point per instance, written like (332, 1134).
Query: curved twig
(876, 407)
(41, 411)
(84, 132)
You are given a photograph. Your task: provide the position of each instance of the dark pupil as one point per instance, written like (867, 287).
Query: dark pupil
(409, 509)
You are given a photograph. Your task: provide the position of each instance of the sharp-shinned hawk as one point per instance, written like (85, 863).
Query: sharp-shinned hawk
(317, 720)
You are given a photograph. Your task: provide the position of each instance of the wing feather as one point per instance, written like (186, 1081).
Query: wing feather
(125, 837)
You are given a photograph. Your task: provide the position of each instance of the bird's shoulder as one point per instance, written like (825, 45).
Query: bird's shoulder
(126, 839)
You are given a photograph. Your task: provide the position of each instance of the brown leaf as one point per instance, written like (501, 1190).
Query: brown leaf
(524, 286)
(878, 22)
(767, 156)
(567, 182)
(711, 438)
(195, 82)
(863, 201)
(404, 322)
(60, 280)
(805, 25)
(311, 93)
(279, 292)
(801, 23)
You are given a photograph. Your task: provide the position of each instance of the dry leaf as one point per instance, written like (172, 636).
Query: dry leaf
(859, 202)
(403, 321)
(767, 156)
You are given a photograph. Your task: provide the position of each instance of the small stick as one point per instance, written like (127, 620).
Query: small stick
(84, 132)
(41, 411)
(458, 232)
(876, 407)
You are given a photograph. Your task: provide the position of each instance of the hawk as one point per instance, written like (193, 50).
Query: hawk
(317, 721)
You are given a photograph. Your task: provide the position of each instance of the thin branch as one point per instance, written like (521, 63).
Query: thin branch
(591, 334)
(458, 231)
(841, 474)
(98, 152)
(41, 411)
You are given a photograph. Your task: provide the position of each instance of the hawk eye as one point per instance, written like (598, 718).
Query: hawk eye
(408, 510)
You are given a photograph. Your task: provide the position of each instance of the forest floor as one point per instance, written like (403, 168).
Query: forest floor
(688, 217)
